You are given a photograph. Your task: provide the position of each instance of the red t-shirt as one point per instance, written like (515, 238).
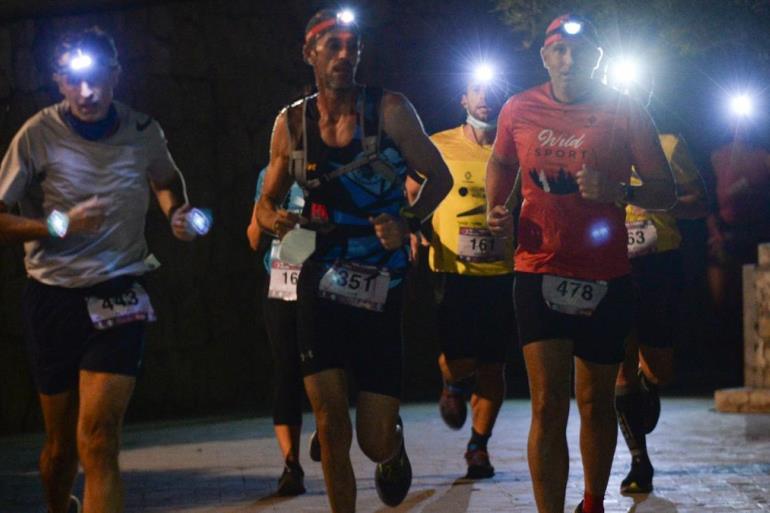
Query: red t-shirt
(559, 232)
(743, 184)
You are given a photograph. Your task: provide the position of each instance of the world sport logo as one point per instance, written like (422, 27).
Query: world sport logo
(559, 145)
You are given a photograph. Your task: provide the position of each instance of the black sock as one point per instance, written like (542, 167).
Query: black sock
(478, 441)
(630, 410)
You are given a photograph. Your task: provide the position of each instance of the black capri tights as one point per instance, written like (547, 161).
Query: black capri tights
(281, 324)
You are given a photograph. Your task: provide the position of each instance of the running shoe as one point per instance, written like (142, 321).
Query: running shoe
(393, 478)
(315, 447)
(479, 466)
(452, 406)
(291, 481)
(639, 478)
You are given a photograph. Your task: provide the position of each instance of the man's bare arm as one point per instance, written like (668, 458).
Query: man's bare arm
(503, 192)
(15, 229)
(277, 182)
(403, 125)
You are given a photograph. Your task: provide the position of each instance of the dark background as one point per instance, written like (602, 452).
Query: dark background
(215, 73)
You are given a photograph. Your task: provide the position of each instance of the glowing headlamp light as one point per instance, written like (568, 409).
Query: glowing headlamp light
(58, 223)
(742, 105)
(483, 73)
(80, 62)
(572, 27)
(199, 221)
(624, 72)
(346, 17)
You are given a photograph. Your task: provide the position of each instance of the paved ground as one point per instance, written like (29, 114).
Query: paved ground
(705, 462)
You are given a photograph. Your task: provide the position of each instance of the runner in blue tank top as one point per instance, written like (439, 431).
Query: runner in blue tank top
(348, 147)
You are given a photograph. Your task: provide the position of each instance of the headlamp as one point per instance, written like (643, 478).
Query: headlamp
(742, 105)
(199, 221)
(58, 223)
(346, 17)
(483, 73)
(624, 71)
(80, 62)
(572, 28)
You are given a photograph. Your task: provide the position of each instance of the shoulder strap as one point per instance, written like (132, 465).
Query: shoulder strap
(296, 123)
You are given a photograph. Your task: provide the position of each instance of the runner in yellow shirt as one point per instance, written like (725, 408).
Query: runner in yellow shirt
(656, 269)
(473, 274)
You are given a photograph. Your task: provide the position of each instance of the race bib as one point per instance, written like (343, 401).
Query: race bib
(478, 245)
(129, 306)
(361, 286)
(283, 280)
(571, 296)
(642, 238)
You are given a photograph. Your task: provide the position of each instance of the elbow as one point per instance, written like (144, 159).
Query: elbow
(252, 234)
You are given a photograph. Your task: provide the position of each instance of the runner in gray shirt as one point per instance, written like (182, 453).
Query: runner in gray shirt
(80, 173)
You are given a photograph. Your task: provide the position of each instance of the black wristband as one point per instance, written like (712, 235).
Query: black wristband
(412, 221)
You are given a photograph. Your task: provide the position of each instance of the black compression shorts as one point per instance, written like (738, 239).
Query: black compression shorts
(337, 336)
(598, 338)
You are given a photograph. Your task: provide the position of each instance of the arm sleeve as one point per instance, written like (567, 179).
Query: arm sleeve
(16, 169)
(505, 144)
(162, 168)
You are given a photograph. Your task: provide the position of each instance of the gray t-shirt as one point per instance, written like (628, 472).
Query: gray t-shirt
(50, 167)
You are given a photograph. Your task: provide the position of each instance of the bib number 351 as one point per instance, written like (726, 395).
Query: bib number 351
(571, 296)
(356, 285)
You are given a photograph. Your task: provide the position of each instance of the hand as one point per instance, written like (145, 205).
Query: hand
(415, 241)
(179, 224)
(391, 231)
(500, 221)
(87, 216)
(285, 222)
(595, 186)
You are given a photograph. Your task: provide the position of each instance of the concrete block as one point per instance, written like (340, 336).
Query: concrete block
(742, 400)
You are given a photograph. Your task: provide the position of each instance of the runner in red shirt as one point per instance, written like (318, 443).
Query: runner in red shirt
(574, 142)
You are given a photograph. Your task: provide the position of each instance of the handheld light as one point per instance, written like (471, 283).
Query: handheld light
(58, 223)
(199, 221)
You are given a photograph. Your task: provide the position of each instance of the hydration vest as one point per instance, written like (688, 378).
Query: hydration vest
(346, 186)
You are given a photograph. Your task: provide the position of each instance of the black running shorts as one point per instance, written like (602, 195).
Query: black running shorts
(599, 338)
(61, 339)
(337, 336)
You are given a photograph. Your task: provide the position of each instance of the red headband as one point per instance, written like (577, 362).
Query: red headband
(321, 27)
